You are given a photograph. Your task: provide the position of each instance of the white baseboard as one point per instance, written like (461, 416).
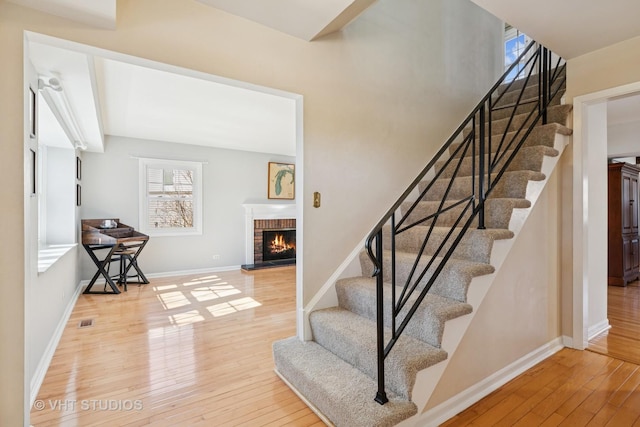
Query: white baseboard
(598, 328)
(304, 399)
(195, 271)
(567, 341)
(183, 272)
(45, 360)
(446, 410)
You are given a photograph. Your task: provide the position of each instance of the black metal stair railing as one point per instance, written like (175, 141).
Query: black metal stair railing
(491, 155)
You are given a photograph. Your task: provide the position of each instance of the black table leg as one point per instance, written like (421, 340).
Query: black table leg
(101, 270)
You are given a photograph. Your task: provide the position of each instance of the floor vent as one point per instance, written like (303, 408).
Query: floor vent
(85, 323)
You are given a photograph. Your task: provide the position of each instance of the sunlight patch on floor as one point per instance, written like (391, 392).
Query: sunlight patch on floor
(207, 294)
(234, 306)
(187, 318)
(173, 300)
(182, 295)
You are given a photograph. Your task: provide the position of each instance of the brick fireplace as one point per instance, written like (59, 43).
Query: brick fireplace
(261, 217)
(268, 225)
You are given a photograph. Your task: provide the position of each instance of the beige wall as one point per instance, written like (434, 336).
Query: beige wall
(379, 99)
(13, 392)
(597, 72)
(606, 68)
(521, 311)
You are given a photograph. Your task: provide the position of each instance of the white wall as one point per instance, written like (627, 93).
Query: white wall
(230, 178)
(60, 195)
(49, 298)
(622, 140)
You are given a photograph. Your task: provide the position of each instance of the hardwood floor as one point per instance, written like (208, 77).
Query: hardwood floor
(181, 351)
(622, 340)
(571, 388)
(600, 387)
(196, 351)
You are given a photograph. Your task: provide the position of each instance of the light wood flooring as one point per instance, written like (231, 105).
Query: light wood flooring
(622, 341)
(600, 387)
(180, 351)
(196, 351)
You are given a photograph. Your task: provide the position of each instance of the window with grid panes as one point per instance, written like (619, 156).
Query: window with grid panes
(170, 197)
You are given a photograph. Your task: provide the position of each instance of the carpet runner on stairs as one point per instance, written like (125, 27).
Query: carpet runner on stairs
(336, 372)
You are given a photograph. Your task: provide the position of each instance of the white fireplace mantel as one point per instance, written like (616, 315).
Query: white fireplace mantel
(255, 211)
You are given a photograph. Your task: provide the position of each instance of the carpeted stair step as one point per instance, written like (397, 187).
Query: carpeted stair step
(512, 185)
(556, 114)
(540, 135)
(358, 295)
(528, 158)
(515, 92)
(497, 212)
(506, 110)
(452, 282)
(530, 93)
(505, 106)
(558, 73)
(498, 127)
(475, 245)
(353, 339)
(341, 392)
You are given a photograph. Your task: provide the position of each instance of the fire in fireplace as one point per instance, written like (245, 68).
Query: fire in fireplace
(278, 244)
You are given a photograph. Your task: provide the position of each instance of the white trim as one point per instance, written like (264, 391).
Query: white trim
(50, 254)
(165, 159)
(45, 360)
(580, 218)
(567, 341)
(300, 191)
(476, 392)
(193, 271)
(599, 328)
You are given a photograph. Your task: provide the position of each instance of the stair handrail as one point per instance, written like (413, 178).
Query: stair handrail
(488, 165)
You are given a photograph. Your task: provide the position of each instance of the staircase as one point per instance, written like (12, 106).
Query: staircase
(429, 258)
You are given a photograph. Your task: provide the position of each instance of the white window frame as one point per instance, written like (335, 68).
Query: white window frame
(143, 226)
(510, 34)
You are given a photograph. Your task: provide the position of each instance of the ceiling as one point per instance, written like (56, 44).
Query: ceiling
(117, 98)
(570, 27)
(113, 97)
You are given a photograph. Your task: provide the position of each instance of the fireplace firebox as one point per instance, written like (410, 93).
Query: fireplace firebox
(278, 244)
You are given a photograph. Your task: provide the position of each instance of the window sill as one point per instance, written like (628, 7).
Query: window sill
(50, 254)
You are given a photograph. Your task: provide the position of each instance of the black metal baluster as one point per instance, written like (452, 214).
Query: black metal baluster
(481, 170)
(394, 309)
(381, 395)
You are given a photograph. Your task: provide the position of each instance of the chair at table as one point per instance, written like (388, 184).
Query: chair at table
(124, 257)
